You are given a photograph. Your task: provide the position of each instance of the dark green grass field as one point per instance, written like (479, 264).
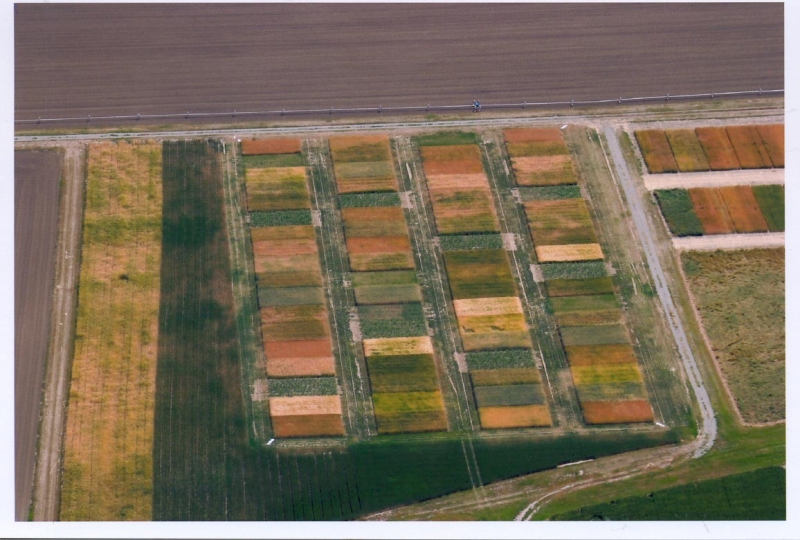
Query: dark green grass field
(771, 200)
(446, 138)
(206, 468)
(755, 495)
(679, 212)
(273, 160)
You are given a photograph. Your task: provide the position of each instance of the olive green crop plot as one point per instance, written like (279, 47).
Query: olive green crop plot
(560, 222)
(594, 335)
(512, 395)
(392, 320)
(411, 373)
(479, 274)
(279, 188)
(577, 287)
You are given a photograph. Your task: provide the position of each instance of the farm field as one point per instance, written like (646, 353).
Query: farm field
(712, 148)
(108, 446)
(300, 367)
(604, 368)
(36, 202)
(724, 210)
(406, 397)
(757, 495)
(740, 296)
(491, 321)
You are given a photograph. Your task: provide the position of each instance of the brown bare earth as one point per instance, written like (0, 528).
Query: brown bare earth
(79, 59)
(36, 188)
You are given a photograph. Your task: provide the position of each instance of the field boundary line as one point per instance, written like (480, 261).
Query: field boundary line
(736, 177)
(571, 103)
(52, 426)
(730, 242)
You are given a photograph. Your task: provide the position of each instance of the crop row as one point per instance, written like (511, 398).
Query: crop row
(712, 148)
(300, 366)
(724, 210)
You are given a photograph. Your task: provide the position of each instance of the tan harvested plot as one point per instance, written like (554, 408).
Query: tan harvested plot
(294, 349)
(487, 306)
(773, 138)
(457, 159)
(501, 377)
(496, 339)
(304, 405)
(380, 244)
(284, 232)
(687, 150)
(458, 182)
(527, 135)
(300, 367)
(253, 147)
(108, 444)
(569, 253)
(398, 346)
(717, 148)
(743, 209)
(514, 417)
(617, 412)
(606, 373)
(348, 149)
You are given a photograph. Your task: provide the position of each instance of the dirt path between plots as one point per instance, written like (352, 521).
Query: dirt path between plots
(715, 179)
(47, 481)
(713, 242)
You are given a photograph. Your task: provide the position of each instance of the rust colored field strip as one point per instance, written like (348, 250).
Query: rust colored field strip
(710, 209)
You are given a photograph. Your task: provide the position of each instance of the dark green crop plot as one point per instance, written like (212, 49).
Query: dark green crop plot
(446, 138)
(573, 270)
(577, 287)
(470, 241)
(479, 273)
(280, 217)
(500, 359)
(274, 160)
(510, 395)
(771, 200)
(363, 200)
(303, 386)
(546, 193)
(755, 495)
(392, 320)
(679, 212)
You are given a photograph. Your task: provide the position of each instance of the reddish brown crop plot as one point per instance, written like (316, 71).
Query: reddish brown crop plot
(718, 148)
(743, 209)
(710, 209)
(300, 367)
(617, 412)
(457, 159)
(380, 244)
(590, 355)
(656, 151)
(255, 147)
(773, 138)
(526, 135)
(514, 417)
(748, 147)
(306, 416)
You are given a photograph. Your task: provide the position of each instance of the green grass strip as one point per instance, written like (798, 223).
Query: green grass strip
(771, 200)
(446, 138)
(273, 160)
(505, 358)
(364, 200)
(471, 241)
(679, 212)
(573, 270)
(549, 193)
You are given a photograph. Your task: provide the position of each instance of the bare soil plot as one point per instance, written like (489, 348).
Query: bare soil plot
(108, 447)
(36, 202)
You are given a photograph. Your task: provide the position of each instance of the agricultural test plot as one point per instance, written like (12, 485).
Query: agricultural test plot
(724, 210)
(740, 296)
(712, 148)
(539, 157)
(406, 396)
(300, 366)
(604, 368)
(108, 445)
(494, 334)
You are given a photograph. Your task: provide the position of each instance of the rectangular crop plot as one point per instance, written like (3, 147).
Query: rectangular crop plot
(515, 417)
(560, 222)
(288, 323)
(363, 164)
(392, 320)
(253, 147)
(573, 270)
(743, 209)
(773, 138)
(451, 160)
(544, 170)
(409, 373)
(718, 148)
(593, 335)
(678, 211)
(505, 359)
(656, 151)
(601, 354)
(277, 188)
(617, 412)
(749, 148)
(510, 395)
(306, 416)
(710, 209)
(569, 253)
(409, 412)
(501, 377)
(687, 151)
(576, 287)
(467, 211)
(479, 273)
(771, 200)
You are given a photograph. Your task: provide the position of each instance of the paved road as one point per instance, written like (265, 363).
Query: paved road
(72, 60)
(47, 483)
(707, 429)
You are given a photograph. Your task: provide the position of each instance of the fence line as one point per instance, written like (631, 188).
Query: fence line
(407, 109)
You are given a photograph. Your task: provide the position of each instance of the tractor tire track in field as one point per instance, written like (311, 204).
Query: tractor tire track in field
(357, 399)
(47, 478)
(707, 427)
